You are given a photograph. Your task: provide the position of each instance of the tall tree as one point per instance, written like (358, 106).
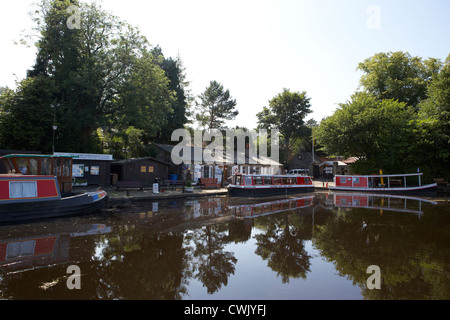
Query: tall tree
(26, 116)
(287, 112)
(381, 133)
(398, 75)
(180, 114)
(434, 123)
(101, 74)
(216, 105)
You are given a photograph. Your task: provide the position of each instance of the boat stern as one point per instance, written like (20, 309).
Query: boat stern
(98, 196)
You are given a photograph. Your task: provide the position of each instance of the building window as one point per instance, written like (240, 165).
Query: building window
(22, 189)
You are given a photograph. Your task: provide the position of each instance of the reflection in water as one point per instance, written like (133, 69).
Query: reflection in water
(215, 247)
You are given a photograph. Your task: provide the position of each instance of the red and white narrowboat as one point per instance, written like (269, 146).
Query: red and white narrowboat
(26, 198)
(387, 183)
(243, 185)
(39, 195)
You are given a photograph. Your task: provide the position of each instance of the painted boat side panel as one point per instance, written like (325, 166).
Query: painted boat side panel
(252, 191)
(417, 188)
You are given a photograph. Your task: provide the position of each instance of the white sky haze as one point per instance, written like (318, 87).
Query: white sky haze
(255, 48)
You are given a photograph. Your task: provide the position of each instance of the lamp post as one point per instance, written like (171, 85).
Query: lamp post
(53, 145)
(55, 127)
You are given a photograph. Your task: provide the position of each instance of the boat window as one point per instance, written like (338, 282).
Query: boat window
(33, 167)
(356, 180)
(277, 181)
(11, 167)
(343, 180)
(22, 164)
(57, 166)
(238, 180)
(248, 180)
(22, 189)
(258, 180)
(20, 249)
(66, 168)
(46, 166)
(267, 180)
(286, 180)
(307, 180)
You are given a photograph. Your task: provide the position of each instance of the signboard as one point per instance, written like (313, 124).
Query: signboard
(95, 170)
(143, 169)
(86, 156)
(78, 170)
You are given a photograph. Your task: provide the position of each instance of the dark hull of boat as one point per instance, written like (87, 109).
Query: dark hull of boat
(267, 192)
(74, 205)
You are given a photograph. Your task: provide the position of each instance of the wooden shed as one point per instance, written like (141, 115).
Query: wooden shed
(145, 170)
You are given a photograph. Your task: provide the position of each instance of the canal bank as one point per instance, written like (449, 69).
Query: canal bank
(120, 196)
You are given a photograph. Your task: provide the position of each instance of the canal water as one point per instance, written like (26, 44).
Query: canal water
(314, 246)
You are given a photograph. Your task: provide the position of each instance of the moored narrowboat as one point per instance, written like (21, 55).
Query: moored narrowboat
(387, 183)
(249, 185)
(41, 195)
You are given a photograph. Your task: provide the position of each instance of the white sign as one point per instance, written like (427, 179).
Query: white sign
(155, 188)
(86, 156)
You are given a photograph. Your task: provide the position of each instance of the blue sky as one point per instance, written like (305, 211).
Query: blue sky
(255, 48)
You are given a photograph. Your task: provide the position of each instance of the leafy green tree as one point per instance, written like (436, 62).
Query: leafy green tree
(181, 113)
(398, 75)
(216, 105)
(287, 112)
(101, 75)
(379, 132)
(434, 113)
(145, 99)
(26, 117)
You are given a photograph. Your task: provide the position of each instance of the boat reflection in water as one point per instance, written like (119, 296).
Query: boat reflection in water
(23, 253)
(254, 210)
(380, 202)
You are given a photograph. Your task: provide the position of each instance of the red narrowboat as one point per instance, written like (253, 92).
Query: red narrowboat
(388, 183)
(244, 185)
(42, 195)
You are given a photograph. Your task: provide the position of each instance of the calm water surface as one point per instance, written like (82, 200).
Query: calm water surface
(316, 246)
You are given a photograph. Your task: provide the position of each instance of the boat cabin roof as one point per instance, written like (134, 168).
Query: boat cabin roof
(10, 156)
(272, 175)
(382, 175)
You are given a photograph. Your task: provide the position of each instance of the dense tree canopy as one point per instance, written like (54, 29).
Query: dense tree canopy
(399, 121)
(102, 73)
(397, 75)
(216, 106)
(287, 112)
